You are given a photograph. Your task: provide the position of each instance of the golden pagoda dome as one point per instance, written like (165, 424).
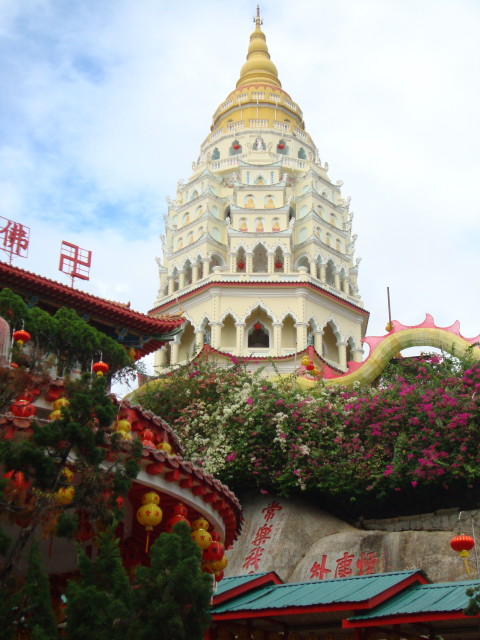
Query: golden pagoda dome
(258, 68)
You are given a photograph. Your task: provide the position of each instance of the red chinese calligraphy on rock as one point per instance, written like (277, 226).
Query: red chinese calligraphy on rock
(366, 563)
(254, 558)
(15, 238)
(262, 535)
(271, 510)
(319, 571)
(344, 566)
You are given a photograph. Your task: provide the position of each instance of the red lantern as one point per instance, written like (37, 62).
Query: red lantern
(215, 535)
(236, 147)
(310, 366)
(214, 552)
(278, 264)
(16, 481)
(21, 337)
(85, 528)
(178, 517)
(241, 265)
(23, 409)
(463, 544)
(257, 326)
(147, 434)
(280, 146)
(100, 368)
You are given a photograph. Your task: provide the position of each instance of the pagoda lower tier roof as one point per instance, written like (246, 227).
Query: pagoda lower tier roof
(131, 328)
(179, 296)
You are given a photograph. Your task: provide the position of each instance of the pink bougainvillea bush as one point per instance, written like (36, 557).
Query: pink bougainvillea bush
(412, 441)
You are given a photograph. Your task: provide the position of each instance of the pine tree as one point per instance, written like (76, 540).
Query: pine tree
(173, 595)
(37, 606)
(99, 604)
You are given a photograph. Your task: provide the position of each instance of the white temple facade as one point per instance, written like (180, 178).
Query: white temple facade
(259, 253)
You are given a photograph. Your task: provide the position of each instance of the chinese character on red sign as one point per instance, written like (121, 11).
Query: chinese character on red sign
(262, 535)
(254, 558)
(367, 563)
(74, 261)
(344, 566)
(15, 238)
(319, 570)
(270, 511)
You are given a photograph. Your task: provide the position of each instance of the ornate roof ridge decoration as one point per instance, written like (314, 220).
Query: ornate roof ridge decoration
(310, 351)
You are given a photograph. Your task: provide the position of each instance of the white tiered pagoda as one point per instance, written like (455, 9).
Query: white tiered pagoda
(258, 253)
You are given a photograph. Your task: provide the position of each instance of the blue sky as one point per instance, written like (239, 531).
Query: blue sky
(106, 102)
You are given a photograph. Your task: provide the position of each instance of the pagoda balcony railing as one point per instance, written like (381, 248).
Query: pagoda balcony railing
(219, 277)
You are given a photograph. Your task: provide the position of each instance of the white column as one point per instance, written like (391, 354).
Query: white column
(287, 262)
(345, 287)
(336, 280)
(342, 354)
(174, 346)
(181, 279)
(160, 359)
(194, 272)
(277, 339)
(270, 267)
(216, 327)
(357, 354)
(318, 341)
(313, 268)
(171, 285)
(249, 263)
(240, 338)
(206, 267)
(323, 273)
(301, 328)
(198, 340)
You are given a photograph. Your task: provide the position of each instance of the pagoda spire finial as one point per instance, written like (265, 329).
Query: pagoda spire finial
(258, 68)
(257, 19)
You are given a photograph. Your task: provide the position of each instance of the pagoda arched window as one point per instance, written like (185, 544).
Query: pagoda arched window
(260, 259)
(215, 154)
(235, 148)
(258, 337)
(329, 342)
(330, 273)
(301, 154)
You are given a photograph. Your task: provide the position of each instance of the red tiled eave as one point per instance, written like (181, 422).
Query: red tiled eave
(110, 312)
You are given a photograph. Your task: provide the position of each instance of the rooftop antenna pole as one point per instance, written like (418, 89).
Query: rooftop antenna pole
(389, 325)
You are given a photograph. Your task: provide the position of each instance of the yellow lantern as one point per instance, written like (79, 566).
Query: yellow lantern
(202, 538)
(123, 426)
(55, 415)
(165, 446)
(220, 565)
(305, 361)
(61, 402)
(67, 475)
(65, 495)
(150, 514)
(200, 523)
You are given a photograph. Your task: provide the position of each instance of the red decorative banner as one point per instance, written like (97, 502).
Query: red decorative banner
(15, 238)
(75, 262)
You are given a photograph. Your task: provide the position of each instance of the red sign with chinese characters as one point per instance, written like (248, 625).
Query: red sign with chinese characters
(261, 536)
(365, 565)
(14, 238)
(75, 262)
